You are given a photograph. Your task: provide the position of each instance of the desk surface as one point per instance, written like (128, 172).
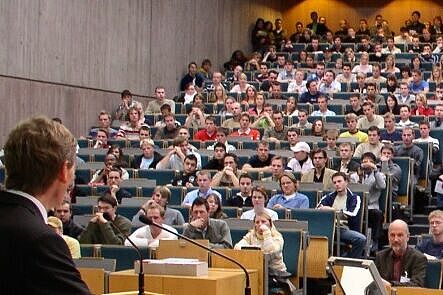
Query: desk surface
(218, 282)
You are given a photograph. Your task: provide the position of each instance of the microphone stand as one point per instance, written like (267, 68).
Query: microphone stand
(144, 219)
(141, 276)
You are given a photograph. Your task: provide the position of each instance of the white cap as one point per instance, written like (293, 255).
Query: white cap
(301, 147)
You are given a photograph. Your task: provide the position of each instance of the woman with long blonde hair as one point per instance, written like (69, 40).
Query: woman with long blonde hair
(436, 75)
(422, 108)
(265, 236)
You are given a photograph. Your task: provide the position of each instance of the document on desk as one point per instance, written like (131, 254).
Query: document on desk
(355, 280)
(173, 266)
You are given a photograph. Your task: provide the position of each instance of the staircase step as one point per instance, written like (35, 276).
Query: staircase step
(430, 208)
(413, 240)
(417, 229)
(420, 218)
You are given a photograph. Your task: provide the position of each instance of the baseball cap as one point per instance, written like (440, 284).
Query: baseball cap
(301, 147)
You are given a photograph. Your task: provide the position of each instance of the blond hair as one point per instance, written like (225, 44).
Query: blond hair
(435, 213)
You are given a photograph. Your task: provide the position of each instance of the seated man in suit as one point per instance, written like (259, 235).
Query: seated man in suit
(319, 173)
(400, 265)
(203, 227)
(149, 158)
(100, 230)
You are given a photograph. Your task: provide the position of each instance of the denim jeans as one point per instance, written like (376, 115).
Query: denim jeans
(355, 239)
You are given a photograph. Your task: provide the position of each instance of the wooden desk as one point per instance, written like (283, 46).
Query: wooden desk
(250, 259)
(94, 279)
(417, 291)
(217, 282)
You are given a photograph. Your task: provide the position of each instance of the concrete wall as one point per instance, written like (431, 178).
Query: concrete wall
(110, 45)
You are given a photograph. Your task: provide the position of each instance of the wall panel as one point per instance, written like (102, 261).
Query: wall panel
(396, 12)
(111, 45)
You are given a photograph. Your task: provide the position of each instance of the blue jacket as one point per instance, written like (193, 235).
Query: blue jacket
(352, 210)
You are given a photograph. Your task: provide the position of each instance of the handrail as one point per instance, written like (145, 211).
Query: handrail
(71, 85)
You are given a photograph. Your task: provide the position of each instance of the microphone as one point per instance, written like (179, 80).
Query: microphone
(141, 281)
(146, 220)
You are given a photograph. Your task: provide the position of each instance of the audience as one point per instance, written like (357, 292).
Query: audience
(319, 174)
(99, 229)
(348, 204)
(203, 191)
(149, 157)
(289, 198)
(72, 243)
(400, 264)
(215, 207)
(65, 214)
(161, 195)
(244, 197)
(150, 235)
(205, 203)
(203, 227)
(433, 246)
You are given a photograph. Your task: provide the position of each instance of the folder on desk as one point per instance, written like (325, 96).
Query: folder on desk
(182, 249)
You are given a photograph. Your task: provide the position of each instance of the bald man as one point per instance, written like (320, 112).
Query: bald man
(400, 265)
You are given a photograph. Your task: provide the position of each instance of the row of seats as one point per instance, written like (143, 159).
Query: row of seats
(320, 222)
(125, 256)
(292, 253)
(246, 149)
(284, 85)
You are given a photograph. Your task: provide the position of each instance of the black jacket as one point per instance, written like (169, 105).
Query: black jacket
(34, 259)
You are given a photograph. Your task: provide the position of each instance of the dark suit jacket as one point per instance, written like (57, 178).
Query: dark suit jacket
(352, 166)
(414, 263)
(34, 259)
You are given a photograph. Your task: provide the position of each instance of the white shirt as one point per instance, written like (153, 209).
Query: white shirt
(293, 87)
(142, 237)
(250, 214)
(294, 165)
(362, 69)
(435, 142)
(34, 200)
(146, 162)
